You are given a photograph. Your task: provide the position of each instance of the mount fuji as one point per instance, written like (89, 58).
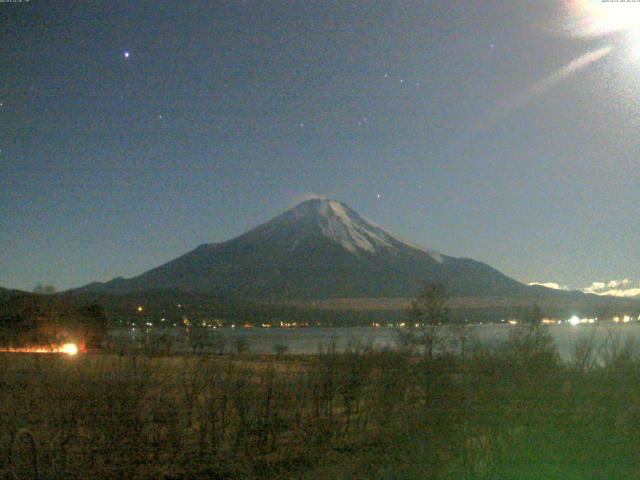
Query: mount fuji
(320, 249)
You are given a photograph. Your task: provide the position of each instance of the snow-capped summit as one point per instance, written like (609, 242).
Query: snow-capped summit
(338, 222)
(318, 249)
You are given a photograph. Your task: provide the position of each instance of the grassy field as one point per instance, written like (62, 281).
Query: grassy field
(515, 412)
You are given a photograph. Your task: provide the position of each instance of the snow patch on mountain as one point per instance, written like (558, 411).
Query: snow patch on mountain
(351, 233)
(342, 225)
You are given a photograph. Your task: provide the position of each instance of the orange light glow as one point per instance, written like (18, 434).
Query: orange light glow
(69, 349)
(66, 348)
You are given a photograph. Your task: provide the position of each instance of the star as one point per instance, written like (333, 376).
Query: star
(379, 196)
(160, 117)
(302, 125)
(127, 54)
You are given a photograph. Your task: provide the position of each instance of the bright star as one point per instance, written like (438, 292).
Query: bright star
(126, 54)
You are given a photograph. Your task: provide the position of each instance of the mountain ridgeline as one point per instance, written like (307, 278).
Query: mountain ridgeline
(320, 249)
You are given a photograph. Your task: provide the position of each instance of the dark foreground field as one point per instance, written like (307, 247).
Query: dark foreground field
(515, 412)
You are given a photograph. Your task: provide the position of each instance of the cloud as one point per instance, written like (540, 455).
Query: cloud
(303, 197)
(629, 292)
(552, 285)
(614, 288)
(594, 287)
(619, 283)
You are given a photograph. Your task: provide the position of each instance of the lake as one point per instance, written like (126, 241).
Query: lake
(312, 340)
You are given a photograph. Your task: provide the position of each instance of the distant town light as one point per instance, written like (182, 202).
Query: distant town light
(574, 320)
(69, 349)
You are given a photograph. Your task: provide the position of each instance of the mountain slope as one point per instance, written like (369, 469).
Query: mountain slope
(318, 249)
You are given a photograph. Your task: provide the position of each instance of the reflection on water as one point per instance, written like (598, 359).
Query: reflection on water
(312, 340)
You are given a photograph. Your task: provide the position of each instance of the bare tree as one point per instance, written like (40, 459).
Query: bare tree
(462, 335)
(426, 314)
(44, 289)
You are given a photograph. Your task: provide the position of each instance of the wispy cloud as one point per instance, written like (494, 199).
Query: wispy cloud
(553, 285)
(614, 288)
(303, 197)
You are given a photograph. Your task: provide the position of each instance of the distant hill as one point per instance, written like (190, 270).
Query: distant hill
(320, 249)
(6, 294)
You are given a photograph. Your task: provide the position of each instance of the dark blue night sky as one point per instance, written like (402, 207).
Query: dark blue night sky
(505, 131)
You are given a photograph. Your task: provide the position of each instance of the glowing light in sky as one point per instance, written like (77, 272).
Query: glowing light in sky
(595, 18)
(585, 18)
(525, 96)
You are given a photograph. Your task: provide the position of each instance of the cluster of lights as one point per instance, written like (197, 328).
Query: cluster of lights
(575, 320)
(624, 319)
(291, 324)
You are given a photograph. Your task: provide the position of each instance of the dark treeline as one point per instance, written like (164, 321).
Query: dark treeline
(27, 320)
(229, 309)
(509, 412)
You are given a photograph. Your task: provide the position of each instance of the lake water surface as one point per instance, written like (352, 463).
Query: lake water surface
(312, 340)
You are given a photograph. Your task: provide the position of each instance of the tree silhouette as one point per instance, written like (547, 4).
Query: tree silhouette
(427, 312)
